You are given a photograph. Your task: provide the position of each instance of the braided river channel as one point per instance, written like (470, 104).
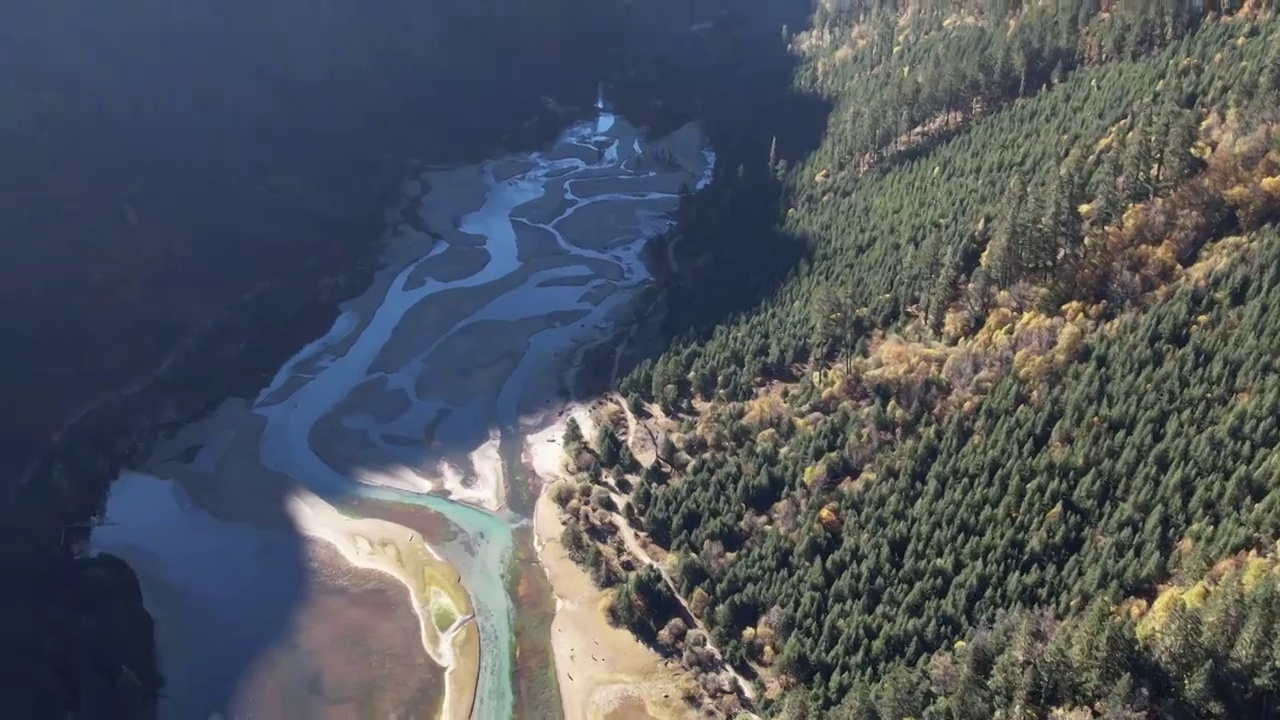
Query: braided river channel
(341, 545)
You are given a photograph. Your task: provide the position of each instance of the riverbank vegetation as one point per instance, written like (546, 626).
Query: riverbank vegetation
(1017, 401)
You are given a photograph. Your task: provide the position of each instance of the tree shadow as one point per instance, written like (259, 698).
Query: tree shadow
(730, 251)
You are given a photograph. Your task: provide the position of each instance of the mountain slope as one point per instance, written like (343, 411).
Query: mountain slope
(1029, 361)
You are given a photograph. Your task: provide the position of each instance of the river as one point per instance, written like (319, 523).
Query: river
(419, 395)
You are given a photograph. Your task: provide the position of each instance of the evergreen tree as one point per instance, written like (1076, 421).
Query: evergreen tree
(1006, 257)
(1060, 230)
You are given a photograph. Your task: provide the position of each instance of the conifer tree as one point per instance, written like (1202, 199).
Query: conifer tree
(1006, 254)
(1060, 228)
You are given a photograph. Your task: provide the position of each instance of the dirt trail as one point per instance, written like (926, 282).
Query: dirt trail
(599, 667)
(631, 540)
(632, 543)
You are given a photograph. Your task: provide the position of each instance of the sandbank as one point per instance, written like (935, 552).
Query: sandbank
(668, 182)
(249, 499)
(254, 621)
(684, 146)
(453, 365)
(393, 549)
(454, 263)
(603, 224)
(546, 208)
(353, 650)
(601, 669)
(507, 169)
(582, 152)
(534, 242)
(455, 193)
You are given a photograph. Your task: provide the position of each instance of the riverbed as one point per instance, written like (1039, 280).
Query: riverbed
(289, 544)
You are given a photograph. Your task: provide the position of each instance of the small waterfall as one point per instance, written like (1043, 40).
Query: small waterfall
(604, 118)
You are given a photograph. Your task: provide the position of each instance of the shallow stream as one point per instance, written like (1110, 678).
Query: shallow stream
(418, 395)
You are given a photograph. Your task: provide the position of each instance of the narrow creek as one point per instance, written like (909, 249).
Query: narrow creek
(419, 396)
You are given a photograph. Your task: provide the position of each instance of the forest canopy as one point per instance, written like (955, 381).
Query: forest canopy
(1017, 402)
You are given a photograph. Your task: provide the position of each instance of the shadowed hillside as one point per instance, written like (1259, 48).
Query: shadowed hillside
(189, 190)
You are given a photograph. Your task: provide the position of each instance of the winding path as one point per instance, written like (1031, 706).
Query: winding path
(632, 543)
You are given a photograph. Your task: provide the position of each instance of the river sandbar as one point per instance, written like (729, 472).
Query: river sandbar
(471, 349)
(250, 620)
(601, 225)
(399, 552)
(454, 263)
(667, 182)
(455, 193)
(507, 169)
(600, 668)
(359, 565)
(579, 152)
(354, 651)
(535, 242)
(547, 207)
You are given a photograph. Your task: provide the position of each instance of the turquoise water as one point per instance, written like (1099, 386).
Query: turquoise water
(289, 421)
